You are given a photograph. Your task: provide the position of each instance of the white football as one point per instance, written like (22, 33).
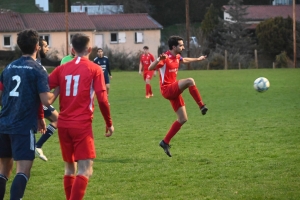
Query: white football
(261, 84)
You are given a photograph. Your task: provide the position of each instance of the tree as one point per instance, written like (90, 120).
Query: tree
(135, 6)
(237, 38)
(275, 35)
(59, 5)
(211, 20)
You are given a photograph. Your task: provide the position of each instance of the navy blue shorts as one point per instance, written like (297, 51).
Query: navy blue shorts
(48, 111)
(106, 77)
(18, 147)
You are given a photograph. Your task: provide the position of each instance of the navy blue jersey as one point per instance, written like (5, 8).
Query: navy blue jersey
(23, 80)
(104, 63)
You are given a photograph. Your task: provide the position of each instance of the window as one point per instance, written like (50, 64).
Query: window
(114, 38)
(138, 37)
(118, 37)
(47, 38)
(6, 41)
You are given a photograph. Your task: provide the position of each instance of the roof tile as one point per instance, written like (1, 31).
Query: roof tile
(262, 12)
(11, 22)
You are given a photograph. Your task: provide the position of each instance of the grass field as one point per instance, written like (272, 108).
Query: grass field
(246, 147)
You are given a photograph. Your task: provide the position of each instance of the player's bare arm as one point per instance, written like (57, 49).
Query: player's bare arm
(140, 68)
(189, 60)
(153, 64)
(47, 98)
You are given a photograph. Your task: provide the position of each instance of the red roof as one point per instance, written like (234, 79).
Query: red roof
(11, 22)
(136, 21)
(57, 21)
(262, 12)
(46, 22)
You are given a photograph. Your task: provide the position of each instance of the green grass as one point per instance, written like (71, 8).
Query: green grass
(246, 147)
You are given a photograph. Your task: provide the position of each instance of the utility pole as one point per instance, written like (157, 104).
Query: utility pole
(294, 33)
(67, 26)
(187, 19)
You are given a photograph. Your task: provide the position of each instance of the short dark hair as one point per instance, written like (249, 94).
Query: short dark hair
(145, 47)
(173, 41)
(99, 49)
(80, 42)
(27, 40)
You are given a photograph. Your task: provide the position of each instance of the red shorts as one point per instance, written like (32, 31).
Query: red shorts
(173, 94)
(77, 143)
(148, 75)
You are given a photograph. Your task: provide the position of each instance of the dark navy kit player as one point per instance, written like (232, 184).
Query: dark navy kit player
(50, 112)
(23, 89)
(104, 63)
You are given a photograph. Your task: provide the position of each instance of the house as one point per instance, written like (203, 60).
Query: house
(122, 32)
(259, 13)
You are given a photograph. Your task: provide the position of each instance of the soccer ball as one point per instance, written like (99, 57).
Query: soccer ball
(261, 84)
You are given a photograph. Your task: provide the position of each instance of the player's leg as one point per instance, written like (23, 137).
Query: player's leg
(84, 153)
(85, 171)
(148, 85)
(190, 83)
(107, 84)
(23, 154)
(173, 93)
(67, 151)
(6, 162)
(69, 178)
(52, 115)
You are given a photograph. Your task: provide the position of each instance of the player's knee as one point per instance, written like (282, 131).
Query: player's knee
(191, 81)
(182, 120)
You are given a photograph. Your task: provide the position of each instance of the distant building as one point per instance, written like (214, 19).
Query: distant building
(96, 9)
(282, 2)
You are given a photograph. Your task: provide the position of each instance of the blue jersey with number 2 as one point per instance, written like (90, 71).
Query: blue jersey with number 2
(23, 80)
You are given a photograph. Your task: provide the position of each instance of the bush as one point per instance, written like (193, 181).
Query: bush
(283, 61)
(119, 60)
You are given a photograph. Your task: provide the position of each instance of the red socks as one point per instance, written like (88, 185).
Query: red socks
(173, 130)
(148, 89)
(79, 187)
(68, 183)
(196, 95)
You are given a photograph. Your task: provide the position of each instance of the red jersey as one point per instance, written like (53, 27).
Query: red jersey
(146, 61)
(78, 80)
(168, 69)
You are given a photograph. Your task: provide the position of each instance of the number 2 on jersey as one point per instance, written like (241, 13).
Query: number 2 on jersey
(13, 92)
(69, 78)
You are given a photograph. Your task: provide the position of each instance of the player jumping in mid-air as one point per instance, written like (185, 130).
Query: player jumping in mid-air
(171, 88)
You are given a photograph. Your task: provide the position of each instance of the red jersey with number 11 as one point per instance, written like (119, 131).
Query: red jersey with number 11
(78, 80)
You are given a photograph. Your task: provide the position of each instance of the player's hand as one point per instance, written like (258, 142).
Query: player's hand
(110, 77)
(140, 72)
(162, 56)
(202, 57)
(109, 131)
(42, 126)
(154, 73)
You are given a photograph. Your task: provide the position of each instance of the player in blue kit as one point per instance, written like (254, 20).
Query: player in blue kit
(104, 63)
(23, 87)
(49, 112)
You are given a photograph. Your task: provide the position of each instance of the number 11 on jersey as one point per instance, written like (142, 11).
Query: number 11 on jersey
(69, 78)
